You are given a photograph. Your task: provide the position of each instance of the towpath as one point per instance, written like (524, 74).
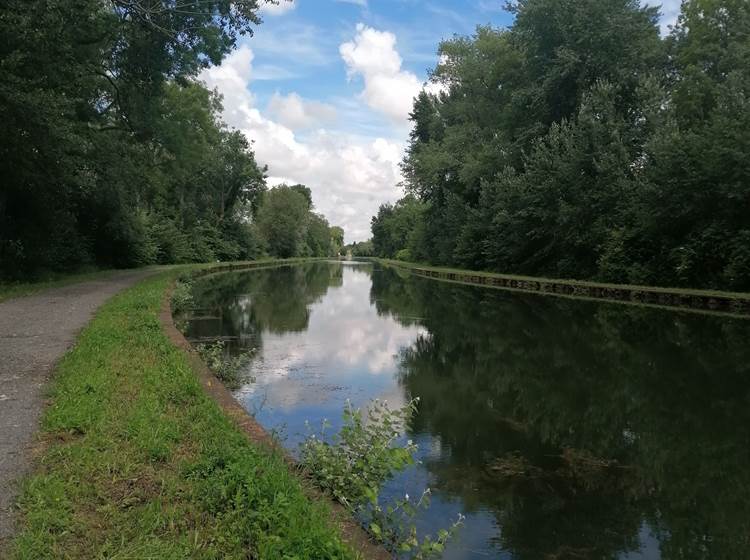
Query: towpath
(35, 331)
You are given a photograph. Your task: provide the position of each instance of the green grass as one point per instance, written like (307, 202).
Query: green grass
(17, 289)
(137, 462)
(10, 290)
(581, 283)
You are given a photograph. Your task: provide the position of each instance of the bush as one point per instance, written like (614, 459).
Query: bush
(403, 255)
(229, 369)
(356, 463)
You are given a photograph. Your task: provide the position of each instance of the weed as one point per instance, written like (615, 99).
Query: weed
(357, 461)
(182, 295)
(229, 369)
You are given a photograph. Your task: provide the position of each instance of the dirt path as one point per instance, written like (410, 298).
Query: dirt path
(35, 331)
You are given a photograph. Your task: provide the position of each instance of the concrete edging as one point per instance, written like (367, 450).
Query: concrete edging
(737, 305)
(351, 531)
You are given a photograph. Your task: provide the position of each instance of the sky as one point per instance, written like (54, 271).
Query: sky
(323, 88)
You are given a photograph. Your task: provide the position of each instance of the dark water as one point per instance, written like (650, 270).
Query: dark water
(563, 429)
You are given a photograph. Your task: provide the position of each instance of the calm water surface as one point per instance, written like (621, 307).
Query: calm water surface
(563, 429)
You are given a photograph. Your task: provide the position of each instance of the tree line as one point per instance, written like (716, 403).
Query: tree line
(113, 153)
(580, 143)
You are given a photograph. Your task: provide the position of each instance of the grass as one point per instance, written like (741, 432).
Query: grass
(10, 290)
(17, 289)
(137, 462)
(581, 283)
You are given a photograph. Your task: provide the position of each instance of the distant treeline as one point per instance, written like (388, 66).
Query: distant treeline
(113, 154)
(579, 143)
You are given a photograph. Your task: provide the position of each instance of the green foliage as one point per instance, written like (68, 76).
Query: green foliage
(112, 153)
(182, 295)
(141, 463)
(362, 455)
(404, 255)
(392, 227)
(229, 369)
(360, 249)
(288, 227)
(357, 461)
(578, 143)
(337, 240)
(394, 527)
(282, 221)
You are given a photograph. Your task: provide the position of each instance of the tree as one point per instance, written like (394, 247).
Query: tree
(577, 142)
(393, 225)
(337, 240)
(318, 237)
(283, 219)
(111, 153)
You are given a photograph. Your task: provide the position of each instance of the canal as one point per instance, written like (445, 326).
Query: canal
(562, 429)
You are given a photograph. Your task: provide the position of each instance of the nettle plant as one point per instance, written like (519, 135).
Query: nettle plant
(352, 466)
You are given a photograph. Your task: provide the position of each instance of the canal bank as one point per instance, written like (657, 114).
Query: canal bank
(134, 459)
(554, 424)
(732, 303)
(351, 531)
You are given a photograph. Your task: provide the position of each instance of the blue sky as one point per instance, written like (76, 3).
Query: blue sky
(324, 88)
(313, 66)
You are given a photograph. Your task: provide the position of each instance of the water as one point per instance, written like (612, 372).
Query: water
(563, 429)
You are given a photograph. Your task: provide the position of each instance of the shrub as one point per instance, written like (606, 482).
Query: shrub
(229, 369)
(357, 461)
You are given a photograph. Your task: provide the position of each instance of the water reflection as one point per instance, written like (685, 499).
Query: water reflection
(566, 429)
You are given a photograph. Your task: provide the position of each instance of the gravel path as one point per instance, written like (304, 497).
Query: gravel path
(35, 331)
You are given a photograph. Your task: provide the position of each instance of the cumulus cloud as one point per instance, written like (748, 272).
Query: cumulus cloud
(387, 88)
(350, 176)
(297, 113)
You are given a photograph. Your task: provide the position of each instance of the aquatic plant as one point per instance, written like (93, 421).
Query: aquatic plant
(229, 369)
(353, 464)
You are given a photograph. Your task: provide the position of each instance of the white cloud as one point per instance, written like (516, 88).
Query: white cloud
(231, 79)
(273, 72)
(350, 176)
(277, 9)
(299, 44)
(388, 89)
(362, 3)
(297, 113)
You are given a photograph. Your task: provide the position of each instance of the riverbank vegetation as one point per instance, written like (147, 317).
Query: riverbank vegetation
(112, 152)
(353, 465)
(138, 462)
(578, 143)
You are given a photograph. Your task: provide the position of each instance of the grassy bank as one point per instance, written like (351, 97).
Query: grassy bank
(137, 462)
(711, 300)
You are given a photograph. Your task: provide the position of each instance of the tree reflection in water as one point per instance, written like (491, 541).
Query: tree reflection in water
(577, 423)
(239, 306)
(583, 429)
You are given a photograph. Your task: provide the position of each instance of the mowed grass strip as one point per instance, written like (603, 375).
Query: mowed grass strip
(136, 462)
